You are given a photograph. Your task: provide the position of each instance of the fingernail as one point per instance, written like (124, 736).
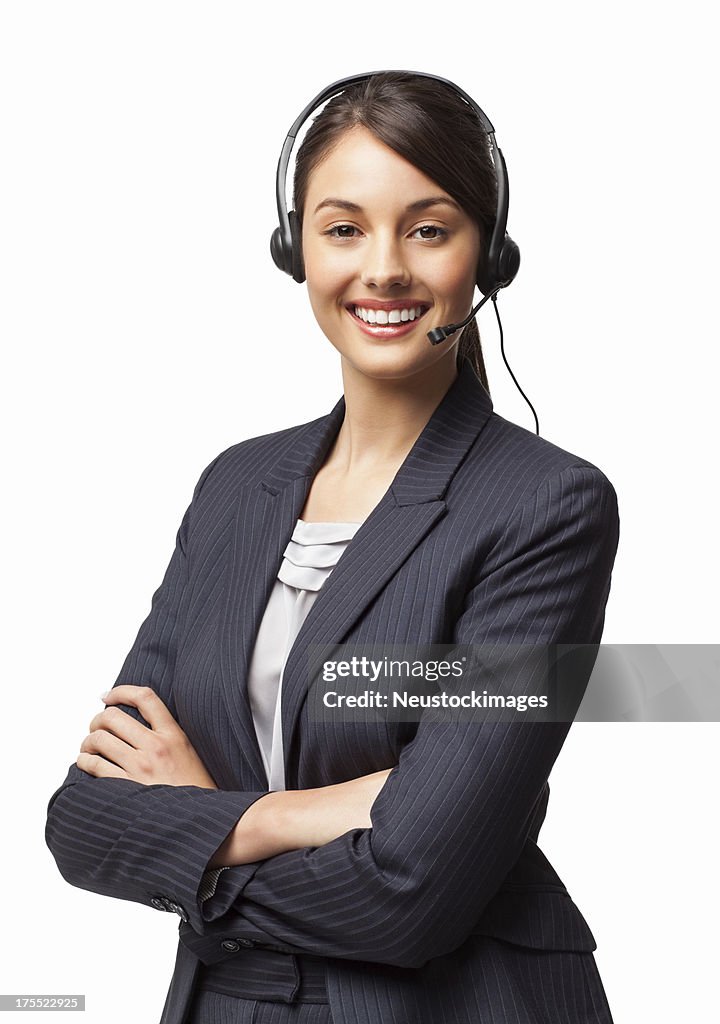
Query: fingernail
(104, 694)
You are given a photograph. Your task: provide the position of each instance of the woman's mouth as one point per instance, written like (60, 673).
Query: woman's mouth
(397, 321)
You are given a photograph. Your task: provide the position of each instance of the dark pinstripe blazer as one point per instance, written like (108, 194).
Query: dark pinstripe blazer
(487, 534)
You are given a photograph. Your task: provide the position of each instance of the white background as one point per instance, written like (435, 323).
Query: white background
(145, 329)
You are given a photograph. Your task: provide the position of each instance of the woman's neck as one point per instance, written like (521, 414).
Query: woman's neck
(385, 417)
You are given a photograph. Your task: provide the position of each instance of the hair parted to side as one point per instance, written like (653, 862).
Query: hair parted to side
(430, 125)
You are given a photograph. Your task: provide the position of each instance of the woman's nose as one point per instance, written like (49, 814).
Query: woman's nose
(383, 264)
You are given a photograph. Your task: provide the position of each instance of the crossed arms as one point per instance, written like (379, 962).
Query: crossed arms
(450, 820)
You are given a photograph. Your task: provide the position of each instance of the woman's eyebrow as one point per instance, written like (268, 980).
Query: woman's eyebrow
(419, 204)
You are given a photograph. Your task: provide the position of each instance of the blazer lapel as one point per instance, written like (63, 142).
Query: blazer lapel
(266, 518)
(264, 522)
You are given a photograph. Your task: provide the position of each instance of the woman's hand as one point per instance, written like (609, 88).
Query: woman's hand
(161, 754)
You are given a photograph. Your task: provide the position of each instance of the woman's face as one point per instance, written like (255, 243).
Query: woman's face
(388, 250)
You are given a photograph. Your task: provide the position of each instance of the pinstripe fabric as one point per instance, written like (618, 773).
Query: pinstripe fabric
(277, 977)
(488, 534)
(211, 1008)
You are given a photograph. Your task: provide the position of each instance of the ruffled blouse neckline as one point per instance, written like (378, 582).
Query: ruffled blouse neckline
(313, 552)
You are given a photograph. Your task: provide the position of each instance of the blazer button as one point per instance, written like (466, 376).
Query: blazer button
(176, 909)
(248, 943)
(158, 903)
(230, 945)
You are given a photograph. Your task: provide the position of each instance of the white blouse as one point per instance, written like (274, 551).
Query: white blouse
(308, 560)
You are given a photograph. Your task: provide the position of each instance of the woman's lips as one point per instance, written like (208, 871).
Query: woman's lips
(385, 330)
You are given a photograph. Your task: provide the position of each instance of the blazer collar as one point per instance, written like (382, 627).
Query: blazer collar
(265, 519)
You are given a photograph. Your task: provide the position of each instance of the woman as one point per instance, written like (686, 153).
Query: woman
(359, 869)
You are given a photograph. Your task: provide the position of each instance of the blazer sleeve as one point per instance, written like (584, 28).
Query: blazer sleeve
(454, 814)
(147, 843)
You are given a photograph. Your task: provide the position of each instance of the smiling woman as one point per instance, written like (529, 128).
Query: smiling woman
(372, 159)
(389, 255)
(358, 870)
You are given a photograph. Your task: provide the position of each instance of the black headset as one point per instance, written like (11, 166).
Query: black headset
(503, 256)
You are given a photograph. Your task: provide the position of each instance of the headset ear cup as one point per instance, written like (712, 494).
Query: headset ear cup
(486, 274)
(508, 262)
(277, 250)
(482, 279)
(298, 266)
(500, 270)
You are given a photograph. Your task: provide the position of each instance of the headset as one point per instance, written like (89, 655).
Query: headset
(503, 258)
(497, 270)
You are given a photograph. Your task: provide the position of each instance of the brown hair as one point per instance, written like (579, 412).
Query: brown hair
(430, 125)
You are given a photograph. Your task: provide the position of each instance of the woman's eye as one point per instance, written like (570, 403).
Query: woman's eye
(340, 227)
(343, 231)
(432, 227)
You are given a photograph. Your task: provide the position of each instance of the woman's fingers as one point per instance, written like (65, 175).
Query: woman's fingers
(115, 721)
(99, 767)
(159, 755)
(144, 698)
(99, 749)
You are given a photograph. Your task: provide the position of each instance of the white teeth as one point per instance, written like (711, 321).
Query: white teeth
(393, 316)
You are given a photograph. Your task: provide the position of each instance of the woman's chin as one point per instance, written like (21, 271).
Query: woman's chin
(390, 362)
